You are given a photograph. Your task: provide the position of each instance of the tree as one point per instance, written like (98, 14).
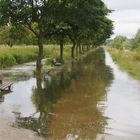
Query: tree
(86, 18)
(35, 15)
(5, 36)
(137, 40)
(80, 20)
(15, 35)
(120, 42)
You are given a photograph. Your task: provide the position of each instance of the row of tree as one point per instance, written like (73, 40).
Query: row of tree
(82, 22)
(123, 43)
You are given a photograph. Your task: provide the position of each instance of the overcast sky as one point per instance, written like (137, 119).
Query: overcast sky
(126, 16)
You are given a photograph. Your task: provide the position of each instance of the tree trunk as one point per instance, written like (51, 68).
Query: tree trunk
(39, 83)
(77, 50)
(93, 46)
(40, 56)
(88, 46)
(72, 49)
(80, 50)
(61, 50)
(83, 49)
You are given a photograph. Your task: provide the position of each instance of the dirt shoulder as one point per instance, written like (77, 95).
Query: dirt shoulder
(8, 132)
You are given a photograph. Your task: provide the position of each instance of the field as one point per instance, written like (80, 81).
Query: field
(22, 54)
(127, 60)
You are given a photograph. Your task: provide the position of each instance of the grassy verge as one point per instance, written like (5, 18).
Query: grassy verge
(127, 60)
(16, 55)
(22, 54)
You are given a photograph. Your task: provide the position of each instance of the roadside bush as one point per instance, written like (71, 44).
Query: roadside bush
(18, 55)
(22, 54)
(7, 60)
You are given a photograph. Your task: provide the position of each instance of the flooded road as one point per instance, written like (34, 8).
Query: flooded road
(91, 99)
(122, 106)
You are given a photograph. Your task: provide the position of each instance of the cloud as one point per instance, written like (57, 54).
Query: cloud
(123, 4)
(126, 22)
(128, 30)
(126, 16)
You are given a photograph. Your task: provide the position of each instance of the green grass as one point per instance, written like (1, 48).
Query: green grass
(22, 54)
(127, 60)
(16, 55)
(54, 51)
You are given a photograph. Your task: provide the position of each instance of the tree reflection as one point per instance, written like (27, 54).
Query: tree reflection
(69, 104)
(2, 95)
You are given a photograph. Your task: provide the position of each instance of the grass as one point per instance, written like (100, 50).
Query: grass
(16, 55)
(54, 51)
(22, 54)
(127, 60)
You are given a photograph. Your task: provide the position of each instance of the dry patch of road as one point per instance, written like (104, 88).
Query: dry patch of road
(7, 131)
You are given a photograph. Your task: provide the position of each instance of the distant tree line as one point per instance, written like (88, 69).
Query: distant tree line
(123, 43)
(80, 22)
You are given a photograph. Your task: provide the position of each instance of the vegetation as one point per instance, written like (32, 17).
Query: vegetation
(126, 52)
(80, 22)
(16, 35)
(18, 55)
(120, 42)
(136, 40)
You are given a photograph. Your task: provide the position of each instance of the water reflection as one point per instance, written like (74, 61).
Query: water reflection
(70, 104)
(2, 95)
(1, 99)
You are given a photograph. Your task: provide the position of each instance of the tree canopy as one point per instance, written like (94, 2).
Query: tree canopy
(120, 42)
(83, 22)
(137, 40)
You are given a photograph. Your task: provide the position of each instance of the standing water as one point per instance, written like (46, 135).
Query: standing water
(123, 105)
(89, 99)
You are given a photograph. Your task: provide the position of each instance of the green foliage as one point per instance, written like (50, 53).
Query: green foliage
(80, 21)
(22, 54)
(5, 36)
(18, 55)
(89, 25)
(137, 40)
(52, 51)
(15, 35)
(120, 42)
(127, 60)
(6, 60)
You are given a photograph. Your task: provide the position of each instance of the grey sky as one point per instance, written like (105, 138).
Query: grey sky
(126, 16)
(123, 4)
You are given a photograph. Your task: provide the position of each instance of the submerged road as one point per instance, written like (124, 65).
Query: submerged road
(91, 99)
(122, 105)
